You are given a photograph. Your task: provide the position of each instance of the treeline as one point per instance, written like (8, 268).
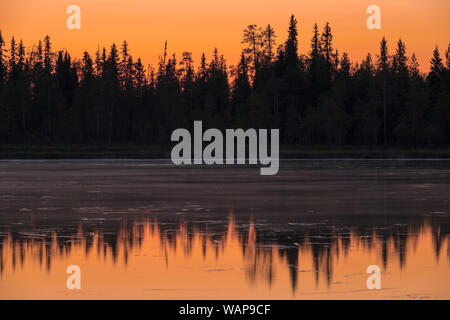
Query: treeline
(316, 98)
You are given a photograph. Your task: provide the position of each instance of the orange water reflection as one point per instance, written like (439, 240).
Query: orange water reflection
(143, 261)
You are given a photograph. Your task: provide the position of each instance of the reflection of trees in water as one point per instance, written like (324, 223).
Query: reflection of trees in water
(259, 247)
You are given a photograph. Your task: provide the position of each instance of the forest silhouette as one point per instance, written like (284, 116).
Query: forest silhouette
(315, 98)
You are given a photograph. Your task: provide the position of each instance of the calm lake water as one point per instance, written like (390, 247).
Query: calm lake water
(150, 230)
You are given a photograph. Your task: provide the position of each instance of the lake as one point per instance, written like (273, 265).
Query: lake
(152, 230)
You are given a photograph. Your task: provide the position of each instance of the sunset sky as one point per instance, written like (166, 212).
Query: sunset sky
(200, 25)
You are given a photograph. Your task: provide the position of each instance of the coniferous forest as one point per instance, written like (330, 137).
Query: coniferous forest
(315, 98)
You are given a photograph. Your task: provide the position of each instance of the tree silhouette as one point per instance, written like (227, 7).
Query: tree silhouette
(318, 97)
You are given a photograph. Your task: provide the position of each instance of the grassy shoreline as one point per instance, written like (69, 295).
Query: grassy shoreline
(163, 152)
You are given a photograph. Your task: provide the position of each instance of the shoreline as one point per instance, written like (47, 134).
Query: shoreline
(153, 152)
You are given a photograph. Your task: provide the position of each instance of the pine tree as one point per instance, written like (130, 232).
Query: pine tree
(318, 71)
(187, 68)
(413, 67)
(400, 59)
(401, 83)
(383, 57)
(20, 57)
(111, 81)
(436, 65)
(326, 43)
(48, 67)
(292, 43)
(315, 43)
(269, 41)
(253, 38)
(125, 71)
(435, 76)
(383, 67)
(367, 64)
(140, 79)
(202, 71)
(39, 62)
(12, 57)
(87, 68)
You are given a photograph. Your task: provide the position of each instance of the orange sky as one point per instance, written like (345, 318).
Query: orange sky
(201, 25)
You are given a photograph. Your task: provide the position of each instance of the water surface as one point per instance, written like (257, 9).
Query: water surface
(150, 230)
